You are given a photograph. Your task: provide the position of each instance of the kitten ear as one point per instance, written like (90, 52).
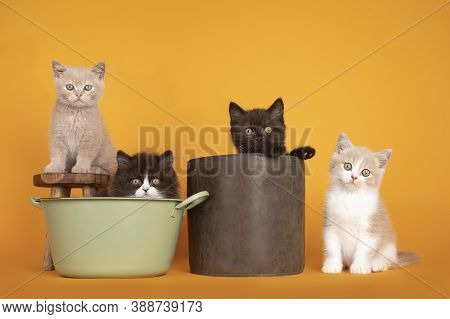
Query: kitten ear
(235, 111)
(277, 108)
(167, 158)
(58, 68)
(99, 70)
(343, 143)
(383, 157)
(123, 159)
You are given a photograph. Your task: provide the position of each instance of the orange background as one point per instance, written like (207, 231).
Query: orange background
(192, 58)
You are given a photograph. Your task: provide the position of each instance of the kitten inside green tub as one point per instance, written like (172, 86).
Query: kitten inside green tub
(144, 175)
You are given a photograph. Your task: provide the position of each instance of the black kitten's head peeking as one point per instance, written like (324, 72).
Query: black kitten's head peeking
(145, 175)
(259, 130)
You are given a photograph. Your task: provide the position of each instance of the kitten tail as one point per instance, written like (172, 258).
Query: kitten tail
(303, 153)
(405, 258)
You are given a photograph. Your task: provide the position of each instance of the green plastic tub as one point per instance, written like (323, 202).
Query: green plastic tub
(94, 237)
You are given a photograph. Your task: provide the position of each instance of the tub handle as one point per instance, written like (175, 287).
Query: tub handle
(36, 201)
(191, 202)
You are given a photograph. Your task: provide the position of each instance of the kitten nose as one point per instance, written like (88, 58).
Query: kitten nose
(354, 177)
(78, 93)
(145, 188)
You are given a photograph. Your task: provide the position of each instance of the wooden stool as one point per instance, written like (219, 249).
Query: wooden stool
(61, 185)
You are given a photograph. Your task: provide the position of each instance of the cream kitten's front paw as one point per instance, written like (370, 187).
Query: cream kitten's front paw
(380, 266)
(54, 168)
(360, 269)
(332, 267)
(81, 169)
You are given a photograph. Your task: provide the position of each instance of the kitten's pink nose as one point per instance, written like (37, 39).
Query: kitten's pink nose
(354, 177)
(146, 188)
(78, 93)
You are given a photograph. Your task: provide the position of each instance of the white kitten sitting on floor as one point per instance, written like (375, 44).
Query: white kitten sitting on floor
(357, 230)
(79, 142)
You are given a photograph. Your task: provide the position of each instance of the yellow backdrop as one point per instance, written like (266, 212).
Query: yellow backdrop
(378, 70)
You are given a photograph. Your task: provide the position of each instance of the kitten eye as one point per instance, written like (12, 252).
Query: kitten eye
(155, 181)
(88, 87)
(347, 166)
(268, 130)
(136, 181)
(248, 131)
(365, 172)
(70, 87)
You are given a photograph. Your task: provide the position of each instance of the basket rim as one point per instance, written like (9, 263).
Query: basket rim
(110, 198)
(244, 155)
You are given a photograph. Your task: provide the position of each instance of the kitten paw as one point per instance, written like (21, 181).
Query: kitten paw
(308, 152)
(380, 266)
(79, 169)
(360, 269)
(53, 168)
(304, 153)
(332, 268)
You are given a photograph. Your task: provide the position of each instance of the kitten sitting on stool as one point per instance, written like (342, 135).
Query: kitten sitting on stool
(357, 230)
(79, 142)
(144, 175)
(263, 131)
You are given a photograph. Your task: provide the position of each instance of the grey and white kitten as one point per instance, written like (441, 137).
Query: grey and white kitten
(358, 233)
(79, 141)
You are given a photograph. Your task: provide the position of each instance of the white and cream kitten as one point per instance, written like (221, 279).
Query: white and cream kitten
(357, 230)
(79, 142)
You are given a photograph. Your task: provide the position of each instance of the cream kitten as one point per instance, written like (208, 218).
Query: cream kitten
(79, 142)
(357, 230)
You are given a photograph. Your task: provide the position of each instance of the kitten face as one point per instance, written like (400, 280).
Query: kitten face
(258, 130)
(354, 167)
(145, 175)
(79, 86)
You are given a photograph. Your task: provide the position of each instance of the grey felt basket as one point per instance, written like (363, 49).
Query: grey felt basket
(253, 222)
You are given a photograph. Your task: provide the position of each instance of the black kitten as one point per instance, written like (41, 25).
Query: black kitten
(144, 175)
(263, 131)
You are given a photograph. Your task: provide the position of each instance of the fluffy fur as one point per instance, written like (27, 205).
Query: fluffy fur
(79, 142)
(358, 233)
(262, 131)
(144, 175)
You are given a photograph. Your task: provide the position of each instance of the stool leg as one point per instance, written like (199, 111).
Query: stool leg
(48, 260)
(59, 191)
(56, 192)
(88, 191)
